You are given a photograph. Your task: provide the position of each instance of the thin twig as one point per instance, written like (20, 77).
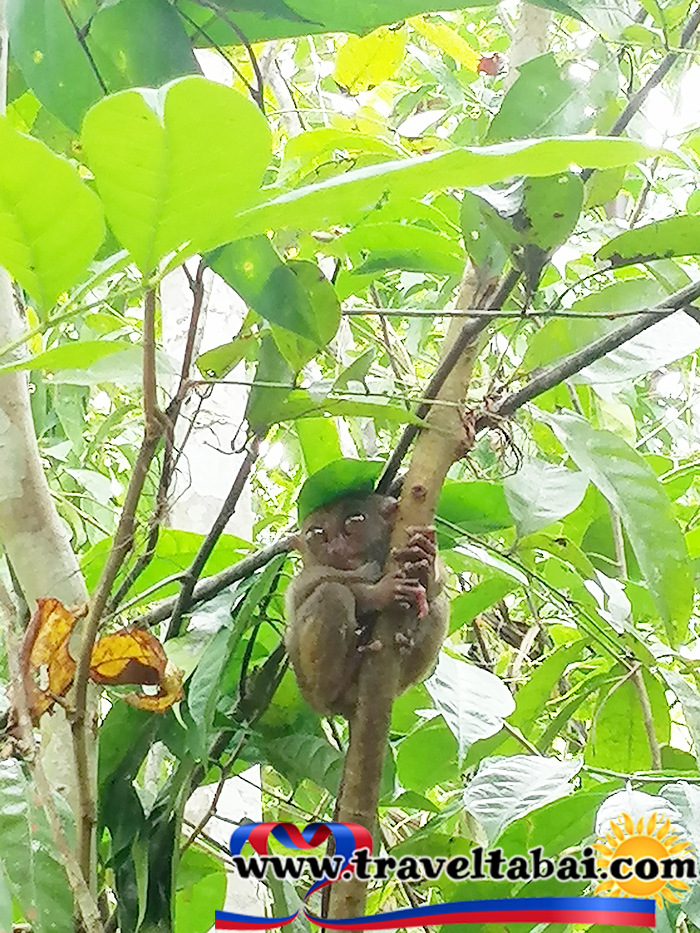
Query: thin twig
(169, 459)
(121, 545)
(211, 810)
(258, 93)
(531, 315)
(211, 586)
(658, 75)
(201, 30)
(573, 363)
(80, 36)
(189, 581)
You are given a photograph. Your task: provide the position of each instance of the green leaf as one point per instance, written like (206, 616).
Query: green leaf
(690, 704)
(349, 197)
(319, 441)
(541, 493)
(36, 878)
(619, 740)
(480, 239)
(50, 223)
(312, 152)
(626, 481)
(219, 361)
(545, 100)
(474, 702)
(280, 404)
(323, 320)
(276, 19)
(299, 757)
(267, 285)
(337, 478)
(663, 343)
(53, 63)
(428, 756)
(173, 166)
(265, 401)
(552, 206)
(467, 606)
(363, 63)
(475, 507)
(139, 43)
(175, 551)
(505, 789)
(535, 693)
(205, 685)
(674, 236)
(200, 889)
(377, 247)
(73, 355)
(357, 370)
(556, 826)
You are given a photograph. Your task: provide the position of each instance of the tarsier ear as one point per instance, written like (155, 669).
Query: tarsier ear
(388, 507)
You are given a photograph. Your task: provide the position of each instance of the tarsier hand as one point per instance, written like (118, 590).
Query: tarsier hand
(417, 560)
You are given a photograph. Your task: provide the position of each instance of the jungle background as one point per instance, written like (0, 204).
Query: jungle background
(315, 202)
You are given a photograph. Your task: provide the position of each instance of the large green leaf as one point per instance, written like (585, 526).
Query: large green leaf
(50, 223)
(541, 493)
(467, 606)
(376, 247)
(200, 886)
(428, 756)
(139, 43)
(319, 442)
(74, 355)
(474, 702)
(670, 339)
(475, 507)
(267, 285)
(279, 19)
(348, 198)
(626, 480)
(52, 61)
(35, 876)
(323, 319)
(173, 166)
(619, 739)
(546, 99)
(674, 236)
(505, 789)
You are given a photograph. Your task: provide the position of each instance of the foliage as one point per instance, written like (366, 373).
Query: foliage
(571, 531)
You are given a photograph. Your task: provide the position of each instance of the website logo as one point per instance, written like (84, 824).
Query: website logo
(352, 856)
(644, 859)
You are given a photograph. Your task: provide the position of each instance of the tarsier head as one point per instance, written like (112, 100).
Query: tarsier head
(349, 531)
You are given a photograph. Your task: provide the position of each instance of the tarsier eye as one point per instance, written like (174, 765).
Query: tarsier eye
(354, 519)
(315, 534)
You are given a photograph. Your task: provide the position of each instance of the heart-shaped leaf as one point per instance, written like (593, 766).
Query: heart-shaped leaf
(173, 166)
(50, 222)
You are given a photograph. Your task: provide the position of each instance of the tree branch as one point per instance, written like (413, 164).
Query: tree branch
(123, 542)
(211, 586)
(470, 330)
(569, 365)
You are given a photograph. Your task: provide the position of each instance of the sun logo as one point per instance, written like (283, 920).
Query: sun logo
(644, 860)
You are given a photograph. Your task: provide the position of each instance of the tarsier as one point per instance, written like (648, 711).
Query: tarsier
(333, 601)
